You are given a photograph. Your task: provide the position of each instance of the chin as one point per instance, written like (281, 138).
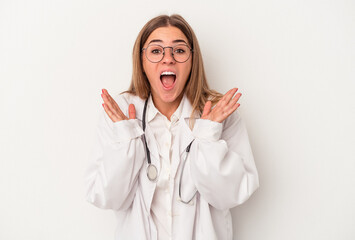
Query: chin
(169, 99)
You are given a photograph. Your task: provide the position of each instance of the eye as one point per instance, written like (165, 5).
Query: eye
(179, 50)
(155, 50)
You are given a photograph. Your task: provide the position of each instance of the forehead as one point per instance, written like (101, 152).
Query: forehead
(166, 35)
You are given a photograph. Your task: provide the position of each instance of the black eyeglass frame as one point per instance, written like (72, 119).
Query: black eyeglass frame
(172, 52)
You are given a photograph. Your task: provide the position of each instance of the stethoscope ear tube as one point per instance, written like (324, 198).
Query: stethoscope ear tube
(144, 140)
(144, 111)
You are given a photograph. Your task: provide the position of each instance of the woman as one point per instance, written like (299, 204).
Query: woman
(168, 163)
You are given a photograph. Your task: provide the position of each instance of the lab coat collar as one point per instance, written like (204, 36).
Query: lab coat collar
(152, 111)
(186, 109)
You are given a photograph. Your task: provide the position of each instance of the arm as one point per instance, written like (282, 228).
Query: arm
(117, 156)
(222, 164)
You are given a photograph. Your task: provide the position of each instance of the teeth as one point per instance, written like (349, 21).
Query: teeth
(167, 73)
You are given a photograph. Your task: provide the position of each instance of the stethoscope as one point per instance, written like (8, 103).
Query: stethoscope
(152, 171)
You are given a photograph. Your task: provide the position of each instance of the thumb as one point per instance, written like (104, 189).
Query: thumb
(131, 111)
(206, 109)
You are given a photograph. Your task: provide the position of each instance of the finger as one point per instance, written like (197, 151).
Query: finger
(225, 110)
(113, 103)
(111, 115)
(206, 109)
(223, 115)
(115, 112)
(229, 111)
(107, 102)
(230, 94)
(233, 109)
(227, 97)
(131, 111)
(235, 99)
(108, 96)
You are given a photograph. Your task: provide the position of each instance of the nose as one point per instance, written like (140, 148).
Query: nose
(168, 56)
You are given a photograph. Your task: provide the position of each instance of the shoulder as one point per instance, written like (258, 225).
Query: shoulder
(234, 128)
(233, 121)
(234, 117)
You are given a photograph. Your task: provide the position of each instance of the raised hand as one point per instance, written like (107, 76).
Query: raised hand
(225, 107)
(113, 110)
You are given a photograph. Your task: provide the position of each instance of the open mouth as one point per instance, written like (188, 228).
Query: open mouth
(167, 78)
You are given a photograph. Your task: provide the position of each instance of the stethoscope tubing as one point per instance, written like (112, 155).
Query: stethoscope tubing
(152, 171)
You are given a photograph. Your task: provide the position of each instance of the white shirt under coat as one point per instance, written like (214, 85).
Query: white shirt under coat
(220, 166)
(165, 133)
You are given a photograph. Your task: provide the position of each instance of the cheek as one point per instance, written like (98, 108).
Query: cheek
(145, 67)
(148, 67)
(149, 71)
(143, 64)
(187, 71)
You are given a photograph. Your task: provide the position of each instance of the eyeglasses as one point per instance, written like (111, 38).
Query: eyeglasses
(180, 53)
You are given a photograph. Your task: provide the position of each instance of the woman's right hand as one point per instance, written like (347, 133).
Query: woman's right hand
(113, 110)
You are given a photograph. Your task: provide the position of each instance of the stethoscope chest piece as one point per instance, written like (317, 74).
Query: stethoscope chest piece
(152, 172)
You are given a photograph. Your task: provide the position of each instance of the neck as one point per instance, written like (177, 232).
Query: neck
(167, 109)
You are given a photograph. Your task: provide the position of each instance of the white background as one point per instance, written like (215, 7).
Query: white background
(293, 60)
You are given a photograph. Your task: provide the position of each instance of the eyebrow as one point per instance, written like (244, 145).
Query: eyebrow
(160, 41)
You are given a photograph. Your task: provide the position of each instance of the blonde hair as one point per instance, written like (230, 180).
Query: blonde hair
(196, 89)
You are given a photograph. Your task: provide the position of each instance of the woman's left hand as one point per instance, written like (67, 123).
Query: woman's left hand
(225, 107)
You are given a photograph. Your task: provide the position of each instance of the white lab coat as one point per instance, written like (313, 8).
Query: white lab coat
(220, 166)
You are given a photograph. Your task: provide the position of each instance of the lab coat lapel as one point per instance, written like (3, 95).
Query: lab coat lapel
(150, 138)
(185, 133)
(148, 186)
(152, 145)
(184, 136)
